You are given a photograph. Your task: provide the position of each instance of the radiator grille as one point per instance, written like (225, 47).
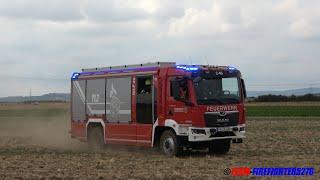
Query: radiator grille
(217, 119)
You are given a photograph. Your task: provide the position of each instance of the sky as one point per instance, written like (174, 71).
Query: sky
(274, 43)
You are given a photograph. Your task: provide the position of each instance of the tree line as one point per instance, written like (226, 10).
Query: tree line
(292, 98)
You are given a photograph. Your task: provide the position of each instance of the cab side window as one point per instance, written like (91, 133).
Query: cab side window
(179, 89)
(144, 100)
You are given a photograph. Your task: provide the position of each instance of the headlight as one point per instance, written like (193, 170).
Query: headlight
(198, 131)
(183, 130)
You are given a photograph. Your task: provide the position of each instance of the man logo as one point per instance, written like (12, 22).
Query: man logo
(222, 113)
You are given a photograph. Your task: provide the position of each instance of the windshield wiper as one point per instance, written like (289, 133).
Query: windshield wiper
(234, 100)
(209, 101)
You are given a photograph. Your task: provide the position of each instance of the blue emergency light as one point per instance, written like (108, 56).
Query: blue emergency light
(232, 68)
(187, 68)
(75, 75)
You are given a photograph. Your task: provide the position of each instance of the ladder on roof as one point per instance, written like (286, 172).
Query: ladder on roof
(156, 64)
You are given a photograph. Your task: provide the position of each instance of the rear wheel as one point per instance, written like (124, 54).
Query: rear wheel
(95, 138)
(169, 144)
(221, 146)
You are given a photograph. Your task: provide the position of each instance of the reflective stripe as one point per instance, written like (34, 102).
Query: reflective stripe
(128, 140)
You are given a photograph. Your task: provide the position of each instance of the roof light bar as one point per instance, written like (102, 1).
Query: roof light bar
(187, 68)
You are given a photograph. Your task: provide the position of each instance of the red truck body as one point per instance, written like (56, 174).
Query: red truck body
(135, 104)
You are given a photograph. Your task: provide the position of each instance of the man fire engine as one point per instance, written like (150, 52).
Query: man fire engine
(172, 107)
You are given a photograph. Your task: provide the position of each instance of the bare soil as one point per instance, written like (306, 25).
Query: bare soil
(41, 148)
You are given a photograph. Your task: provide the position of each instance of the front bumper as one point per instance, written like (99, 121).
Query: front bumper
(196, 134)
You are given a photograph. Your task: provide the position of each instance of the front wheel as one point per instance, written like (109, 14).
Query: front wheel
(221, 146)
(169, 144)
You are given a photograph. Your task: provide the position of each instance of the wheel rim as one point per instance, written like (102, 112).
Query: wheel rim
(168, 146)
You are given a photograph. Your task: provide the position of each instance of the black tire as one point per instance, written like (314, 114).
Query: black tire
(169, 144)
(221, 146)
(95, 138)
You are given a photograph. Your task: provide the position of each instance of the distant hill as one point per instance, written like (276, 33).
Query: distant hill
(297, 92)
(66, 96)
(45, 97)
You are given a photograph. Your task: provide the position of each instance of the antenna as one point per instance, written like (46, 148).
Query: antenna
(205, 57)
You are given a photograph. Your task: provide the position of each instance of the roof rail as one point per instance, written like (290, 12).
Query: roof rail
(156, 64)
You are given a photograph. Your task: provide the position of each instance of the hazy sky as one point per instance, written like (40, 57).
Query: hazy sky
(275, 43)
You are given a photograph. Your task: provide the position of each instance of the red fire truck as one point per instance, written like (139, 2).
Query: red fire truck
(172, 107)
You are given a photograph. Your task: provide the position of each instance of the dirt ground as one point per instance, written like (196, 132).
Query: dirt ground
(36, 147)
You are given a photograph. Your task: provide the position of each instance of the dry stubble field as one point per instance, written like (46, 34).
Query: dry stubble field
(35, 144)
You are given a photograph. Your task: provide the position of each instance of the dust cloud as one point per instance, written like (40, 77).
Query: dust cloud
(51, 132)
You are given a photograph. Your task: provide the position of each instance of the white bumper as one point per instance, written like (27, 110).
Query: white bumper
(210, 133)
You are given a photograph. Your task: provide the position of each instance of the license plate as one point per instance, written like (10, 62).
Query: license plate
(222, 129)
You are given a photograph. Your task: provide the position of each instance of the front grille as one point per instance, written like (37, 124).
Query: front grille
(217, 119)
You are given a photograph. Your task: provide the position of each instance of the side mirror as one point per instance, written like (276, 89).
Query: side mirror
(175, 87)
(197, 79)
(244, 89)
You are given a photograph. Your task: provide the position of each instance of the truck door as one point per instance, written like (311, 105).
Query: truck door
(180, 109)
(145, 93)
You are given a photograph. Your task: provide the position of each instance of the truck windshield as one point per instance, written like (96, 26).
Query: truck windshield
(217, 91)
